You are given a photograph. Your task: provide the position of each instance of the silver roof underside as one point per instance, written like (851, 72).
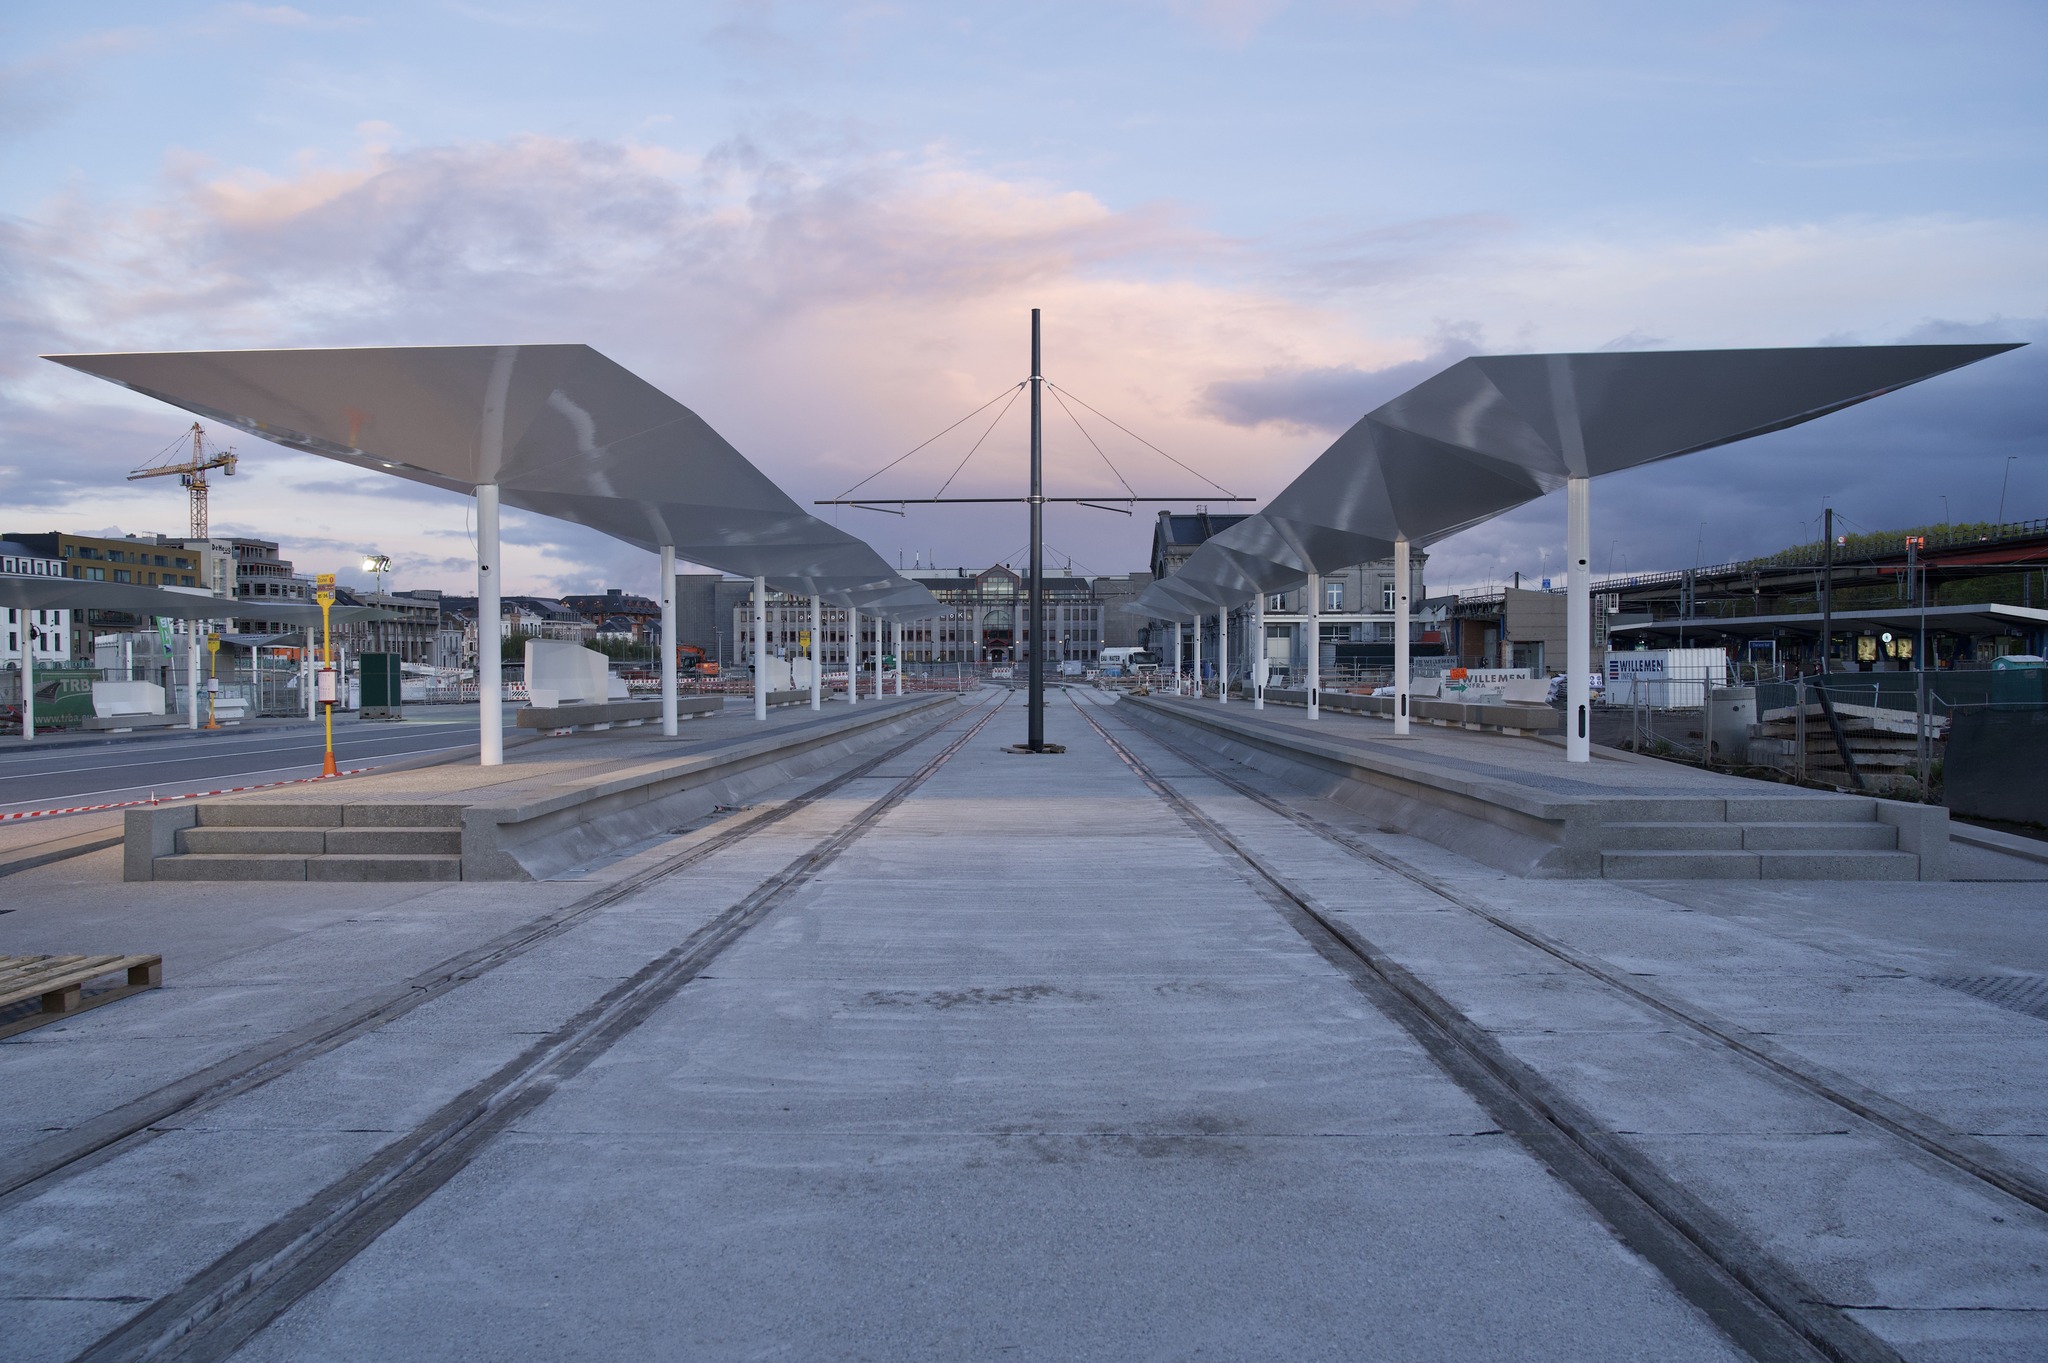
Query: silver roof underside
(1493, 432)
(560, 429)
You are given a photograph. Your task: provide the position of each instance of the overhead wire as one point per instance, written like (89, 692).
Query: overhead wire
(1011, 393)
(984, 436)
(1147, 444)
(1057, 397)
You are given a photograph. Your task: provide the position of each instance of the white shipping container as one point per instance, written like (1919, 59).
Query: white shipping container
(1664, 678)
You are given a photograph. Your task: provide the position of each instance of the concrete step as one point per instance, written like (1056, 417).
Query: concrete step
(218, 867)
(1670, 837)
(1679, 865)
(269, 814)
(402, 816)
(374, 841)
(1802, 809)
(360, 868)
(1818, 837)
(238, 841)
(1838, 865)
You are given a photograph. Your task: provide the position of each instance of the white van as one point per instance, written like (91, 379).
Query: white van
(1128, 662)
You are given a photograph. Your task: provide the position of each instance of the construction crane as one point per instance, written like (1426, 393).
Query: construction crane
(191, 472)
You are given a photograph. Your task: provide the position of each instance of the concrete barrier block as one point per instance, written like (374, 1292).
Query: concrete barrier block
(1923, 831)
(151, 833)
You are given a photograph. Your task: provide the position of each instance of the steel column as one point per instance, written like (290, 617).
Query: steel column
(817, 654)
(1259, 651)
(668, 640)
(852, 656)
(1034, 738)
(760, 648)
(490, 675)
(28, 676)
(1314, 628)
(1223, 655)
(896, 635)
(1578, 625)
(1401, 661)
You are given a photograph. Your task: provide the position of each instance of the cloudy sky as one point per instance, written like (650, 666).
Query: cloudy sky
(823, 227)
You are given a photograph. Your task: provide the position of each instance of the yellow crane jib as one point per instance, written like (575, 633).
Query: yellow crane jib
(191, 471)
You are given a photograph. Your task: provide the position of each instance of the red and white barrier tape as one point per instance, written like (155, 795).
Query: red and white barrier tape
(173, 799)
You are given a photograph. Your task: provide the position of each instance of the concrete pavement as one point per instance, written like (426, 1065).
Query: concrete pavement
(1029, 1069)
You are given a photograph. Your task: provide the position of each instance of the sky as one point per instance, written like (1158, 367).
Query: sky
(823, 227)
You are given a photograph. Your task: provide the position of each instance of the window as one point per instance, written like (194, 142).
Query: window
(1333, 596)
(120, 574)
(1277, 602)
(1387, 602)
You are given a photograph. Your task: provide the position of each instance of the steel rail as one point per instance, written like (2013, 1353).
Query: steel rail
(217, 1310)
(1759, 1303)
(35, 1170)
(1967, 1154)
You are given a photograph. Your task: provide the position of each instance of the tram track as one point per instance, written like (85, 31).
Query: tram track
(217, 1310)
(1960, 1151)
(37, 1169)
(1760, 1303)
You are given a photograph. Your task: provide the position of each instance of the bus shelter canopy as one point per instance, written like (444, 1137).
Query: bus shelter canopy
(63, 593)
(560, 430)
(1490, 433)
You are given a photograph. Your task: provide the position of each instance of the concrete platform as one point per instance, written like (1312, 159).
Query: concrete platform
(551, 806)
(1033, 1071)
(1513, 802)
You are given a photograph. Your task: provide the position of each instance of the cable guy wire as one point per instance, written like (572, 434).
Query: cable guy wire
(1056, 397)
(1149, 445)
(1011, 393)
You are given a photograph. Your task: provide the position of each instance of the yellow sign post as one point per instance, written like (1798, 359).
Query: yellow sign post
(323, 592)
(212, 680)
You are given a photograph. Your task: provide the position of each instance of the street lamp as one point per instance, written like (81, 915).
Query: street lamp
(378, 564)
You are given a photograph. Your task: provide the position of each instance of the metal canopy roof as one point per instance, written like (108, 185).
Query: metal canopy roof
(64, 593)
(1964, 619)
(560, 429)
(1492, 432)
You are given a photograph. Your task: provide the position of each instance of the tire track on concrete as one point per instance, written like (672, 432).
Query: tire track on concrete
(1765, 1308)
(217, 1310)
(35, 1170)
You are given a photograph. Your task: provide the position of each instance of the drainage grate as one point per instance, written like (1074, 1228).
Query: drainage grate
(2022, 993)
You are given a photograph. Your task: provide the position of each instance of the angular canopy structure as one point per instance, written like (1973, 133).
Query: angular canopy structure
(63, 593)
(1492, 432)
(559, 429)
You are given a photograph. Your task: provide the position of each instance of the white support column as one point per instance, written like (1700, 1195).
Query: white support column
(28, 676)
(490, 675)
(817, 654)
(760, 648)
(896, 633)
(668, 640)
(852, 656)
(1176, 658)
(1314, 627)
(306, 681)
(1197, 632)
(1402, 681)
(878, 657)
(1578, 624)
(1223, 655)
(192, 674)
(1259, 651)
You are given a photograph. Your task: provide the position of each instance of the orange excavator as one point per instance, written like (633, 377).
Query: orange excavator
(690, 661)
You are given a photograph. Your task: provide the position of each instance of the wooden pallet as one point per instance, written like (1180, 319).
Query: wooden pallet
(60, 981)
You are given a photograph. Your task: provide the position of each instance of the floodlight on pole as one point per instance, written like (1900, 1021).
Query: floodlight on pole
(377, 565)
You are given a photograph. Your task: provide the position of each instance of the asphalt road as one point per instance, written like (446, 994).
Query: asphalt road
(58, 777)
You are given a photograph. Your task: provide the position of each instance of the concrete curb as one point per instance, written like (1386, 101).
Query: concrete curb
(59, 849)
(1992, 840)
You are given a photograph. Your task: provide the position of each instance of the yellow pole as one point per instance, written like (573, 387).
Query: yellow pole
(324, 594)
(212, 656)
